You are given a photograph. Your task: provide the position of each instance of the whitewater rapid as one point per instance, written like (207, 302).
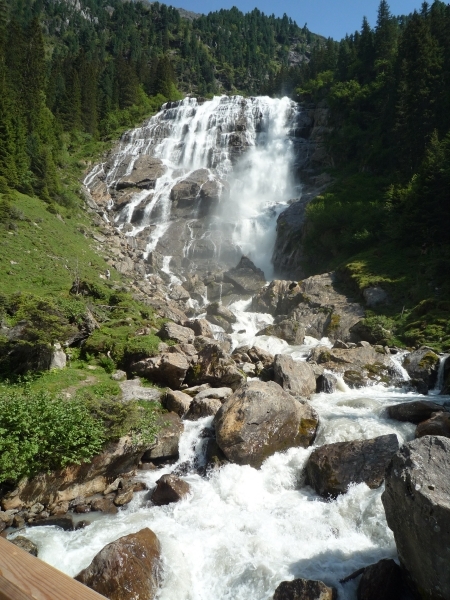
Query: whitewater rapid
(242, 531)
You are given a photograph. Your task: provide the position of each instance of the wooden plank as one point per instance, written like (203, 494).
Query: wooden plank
(37, 580)
(8, 591)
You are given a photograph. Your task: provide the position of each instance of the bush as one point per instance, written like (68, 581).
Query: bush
(40, 432)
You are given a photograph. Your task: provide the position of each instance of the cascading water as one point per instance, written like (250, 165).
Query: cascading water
(223, 174)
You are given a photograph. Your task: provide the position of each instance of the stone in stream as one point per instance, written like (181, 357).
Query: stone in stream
(245, 277)
(296, 377)
(333, 467)
(289, 330)
(304, 589)
(169, 488)
(414, 412)
(326, 383)
(165, 447)
(260, 419)
(25, 544)
(203, 407)
(177, 402)
(417, 505)
(127, 569)
(382, 581)
(422, 366)
(438, 424)
(214, 366)
(220, 315)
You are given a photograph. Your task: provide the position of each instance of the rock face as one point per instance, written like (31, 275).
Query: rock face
(127, 569)
(414, 412)
(169, 488)
(245, 277)
(381, 580)
(438, 424)
(315, 302)
(422, 366)
(260, 419)
(296, 377)
(146, 170)
(304, 589)
(417, 504)
(333, 467)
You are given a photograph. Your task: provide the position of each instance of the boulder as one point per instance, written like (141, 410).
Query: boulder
(257, 355)
(126, 569)
(383, 580)
(375, 295)
(296, 377)
(203, 407)
(132, 389)
(245, 277)
(260, 419)
(146, 170)
(177, 402)
(200, 327)
(422, 366)
(289, 330)
(167, 369)
(438, 424)
(304, 589)
(169, 488)
(333, 467)
(196, 288)
(186, 192)
(167, 439)
(215, 367)
(414, 412)
(417, 505)
(326, 383)
(221, 316)
(177, 333)
(25, 544)
(218, 393)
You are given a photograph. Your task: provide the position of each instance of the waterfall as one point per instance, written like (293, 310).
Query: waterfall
(440, 376)
(221, 174)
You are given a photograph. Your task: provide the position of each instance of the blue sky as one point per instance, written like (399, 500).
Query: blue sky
(326, 17)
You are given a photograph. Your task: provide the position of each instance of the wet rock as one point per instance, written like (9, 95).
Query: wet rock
(417, 505)
(186, 192)
(196, 288)
(296, 377)
(304, 589)
(25, 544)
(221, 316)
(246, 278)
(177, 402)
(167, 369)
(177, 333)
(215, 367)
(203, 407)
(124, 495)
(326, 383)
(414, 412)
(169, 488)
(200, 327)
(126, 569)
(333, 467)
(63, 522)
(104, 504)
(438, 424)
(257, 355)
(289, 330)
(381, 580)
(260, 419)
(422, 366)
(170, 428)
(146, 170)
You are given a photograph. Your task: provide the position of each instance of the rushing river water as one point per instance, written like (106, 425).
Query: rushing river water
(242, 531)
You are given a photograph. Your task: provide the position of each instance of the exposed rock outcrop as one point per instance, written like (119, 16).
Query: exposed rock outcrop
(417, 505)
(126, 569)
(260, 419)
(246, 278)
(333, 467)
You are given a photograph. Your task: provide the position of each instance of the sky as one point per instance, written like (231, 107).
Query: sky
(331, 18)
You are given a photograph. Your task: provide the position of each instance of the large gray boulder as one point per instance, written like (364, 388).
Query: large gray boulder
(289, 330)
(167, 369)
(414, 412)
(296, 377)
(214, 366)
(127, 569)
(177, 333)
(221, 316)
(304, 589)
(260, 419)
(417, 504)
(422, 366)
(382, 580)
(169, 488)
(245, 277)
(437, 424)
(333, 467)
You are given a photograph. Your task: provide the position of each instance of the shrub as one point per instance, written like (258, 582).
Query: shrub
(40, 432)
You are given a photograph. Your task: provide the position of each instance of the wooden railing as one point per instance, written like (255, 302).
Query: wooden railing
(24, 577)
